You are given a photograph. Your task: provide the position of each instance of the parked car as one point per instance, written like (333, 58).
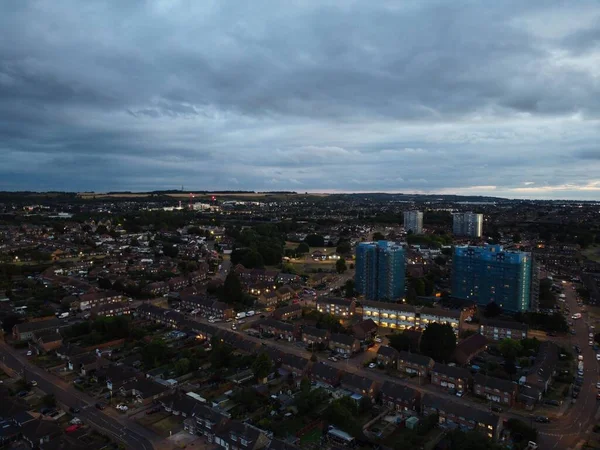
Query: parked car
(552, 402)
(29, 353)
(100, 405)
(496, 409)
(74, 409)
(542, 419)
(153, 410)
(33, 383)
(122, 407)
(72, 428)
(378, 340)
(22, 394)
(372, 365)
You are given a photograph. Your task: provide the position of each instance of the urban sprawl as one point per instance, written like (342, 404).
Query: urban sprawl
(279, 321)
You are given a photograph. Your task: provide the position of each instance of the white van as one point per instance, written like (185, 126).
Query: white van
(249, 313)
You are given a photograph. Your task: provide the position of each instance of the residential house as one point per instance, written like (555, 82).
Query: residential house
(289, 312)
(253, 276)
(319, 278)
(207, 306)
(157, 288)
(25, 331)
(460, 415)
(295, 365)
(111, 310)
(93, 299)
(282, 330)
(365, 330)
(144, 390)
(208, 421)
(161, 315)
(178, 283)
(325, 374)
(496, 330)
(315, 336)
(268, 299)
(469, 348)
(426, 315)
(285, 293)
(337, 307)
(87, 364)
(40, 431)
(343, 344)
(450, 377)
(360, 385)
(413, 363)
(400, 397)
(287, 278)
(199, 275)
(236, 435)
(495, 389)
(116, 377)
(48, 340)
(388, 356)
(544, 367)
(69, 350)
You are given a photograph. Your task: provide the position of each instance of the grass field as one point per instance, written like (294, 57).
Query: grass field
(312, 437)
(166, 425)
(592, 253)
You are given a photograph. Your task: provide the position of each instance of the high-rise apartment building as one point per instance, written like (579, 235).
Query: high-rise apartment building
(413, 221)
(380, 270)
(467, 224)
(491, 274)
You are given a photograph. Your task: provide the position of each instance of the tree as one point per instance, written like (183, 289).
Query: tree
(232, 289)
(315, 240)
(302, 248)
(400, 342)
(349, 289)
(377, 236)
(49, 400)
(252, 259)
(340, 265)
(516, 238)
(492, 309)
(439, 260)
(154, 354)
(510, 349)
(182, 366)
(262, 366)
(344, 248)
(170, 250)
(438, 342)
(104, 283)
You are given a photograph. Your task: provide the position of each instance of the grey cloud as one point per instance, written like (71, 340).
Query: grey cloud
(425, 95)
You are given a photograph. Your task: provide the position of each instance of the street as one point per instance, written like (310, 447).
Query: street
(566, 431)
(123, 430)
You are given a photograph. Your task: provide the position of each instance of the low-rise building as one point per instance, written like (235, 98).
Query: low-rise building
(469, 348)
(282, 330)
(93, 299)
(360, 385)
(399, 397)
(268, 299)
(365, 330)
(239, 435)
(157, 288)
(325, 374)
(413, 363)
(295, 365)
(207, 306)
(315, 336)
(454, 414)
(495, 389)
(26, 330)
(337, 307)
(450, 377)
(344, 344)
(178, 283)
(496, 330)
(544, 367)
(289, 312)
(388, 356)
(48, 340)
(285, 293)
(111, 310)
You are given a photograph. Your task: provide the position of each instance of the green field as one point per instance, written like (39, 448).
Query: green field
(592, 253)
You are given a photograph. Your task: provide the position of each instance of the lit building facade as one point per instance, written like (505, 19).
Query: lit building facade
(380, 270)
(491, 274)
(413, 221)
(467, 224)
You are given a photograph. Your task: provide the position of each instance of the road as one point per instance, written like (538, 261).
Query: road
(123, 430)
(566, 431)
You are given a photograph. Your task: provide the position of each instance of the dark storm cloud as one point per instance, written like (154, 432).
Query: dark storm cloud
(499, 98)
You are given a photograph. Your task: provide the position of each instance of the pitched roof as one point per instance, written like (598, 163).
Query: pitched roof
(388, 352)
(471, 345)
(313, 331)
(38, 325)
(494, 383)
(496, 323)
(451, 371)
(398, 391)
(344, 339)
(356, 381)
(268, 322)
(460, 410)
(415, 358)
(325, 371)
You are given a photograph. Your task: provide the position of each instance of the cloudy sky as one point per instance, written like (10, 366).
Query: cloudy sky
(494, 98)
